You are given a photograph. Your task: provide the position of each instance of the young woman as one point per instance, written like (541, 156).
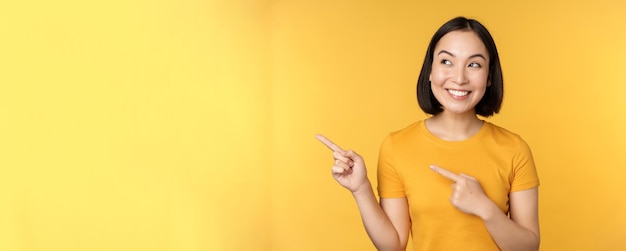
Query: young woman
(454, 181)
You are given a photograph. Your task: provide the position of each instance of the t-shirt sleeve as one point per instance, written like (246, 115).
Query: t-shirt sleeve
(524, 171)
(390, 184)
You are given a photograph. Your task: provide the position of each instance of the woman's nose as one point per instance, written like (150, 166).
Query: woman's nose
(460, 76)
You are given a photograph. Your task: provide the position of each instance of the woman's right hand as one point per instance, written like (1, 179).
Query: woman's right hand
(349, 167)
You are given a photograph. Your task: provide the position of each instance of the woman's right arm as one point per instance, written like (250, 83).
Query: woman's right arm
(388, 223)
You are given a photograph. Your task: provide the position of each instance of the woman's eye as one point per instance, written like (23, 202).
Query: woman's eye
(445, 61)
(474, 65)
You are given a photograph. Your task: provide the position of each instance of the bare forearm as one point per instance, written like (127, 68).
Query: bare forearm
(378, 226)
(507, 234)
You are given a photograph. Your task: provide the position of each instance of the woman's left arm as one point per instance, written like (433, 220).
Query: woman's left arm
(521, 231)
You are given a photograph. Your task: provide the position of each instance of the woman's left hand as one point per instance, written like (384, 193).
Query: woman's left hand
(467, 194)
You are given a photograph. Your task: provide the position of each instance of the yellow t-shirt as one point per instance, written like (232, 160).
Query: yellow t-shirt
(500, 160)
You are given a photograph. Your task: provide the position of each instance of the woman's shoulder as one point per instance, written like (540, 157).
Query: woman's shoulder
(406, 135)
(408, 130)
(402, 138)
(501, 134)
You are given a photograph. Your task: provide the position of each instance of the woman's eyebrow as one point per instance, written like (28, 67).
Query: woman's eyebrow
(478, 55)
(452, 55)
(446, 52)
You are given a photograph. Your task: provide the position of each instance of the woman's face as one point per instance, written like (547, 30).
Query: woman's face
(460, 71)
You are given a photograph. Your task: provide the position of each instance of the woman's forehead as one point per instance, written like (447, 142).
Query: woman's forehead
(462, 43)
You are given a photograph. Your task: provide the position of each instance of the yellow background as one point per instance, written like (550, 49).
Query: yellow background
(189, 125)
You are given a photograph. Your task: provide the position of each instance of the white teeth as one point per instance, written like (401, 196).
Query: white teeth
(458, 93)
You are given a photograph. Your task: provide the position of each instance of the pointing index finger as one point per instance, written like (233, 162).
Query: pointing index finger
(332, 146)
(445, 173)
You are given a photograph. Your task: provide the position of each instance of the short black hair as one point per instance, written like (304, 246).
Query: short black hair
(492, 100)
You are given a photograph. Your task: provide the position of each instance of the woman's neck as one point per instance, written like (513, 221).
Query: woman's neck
(453, 127)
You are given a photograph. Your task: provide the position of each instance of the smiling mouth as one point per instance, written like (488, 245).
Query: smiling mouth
(458, 93)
